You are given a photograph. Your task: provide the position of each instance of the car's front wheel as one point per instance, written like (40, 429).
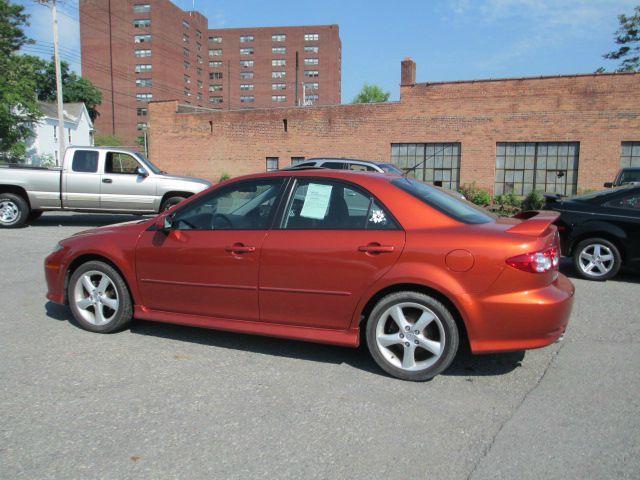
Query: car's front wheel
(596, 259)
(99, 298)
(14, 210)
(412, 336)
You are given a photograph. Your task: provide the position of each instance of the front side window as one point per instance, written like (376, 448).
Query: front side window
(85, 161)
(120, 163)
(244, 206)
(319, 204)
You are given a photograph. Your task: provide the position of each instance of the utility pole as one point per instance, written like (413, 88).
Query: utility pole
(56, 59)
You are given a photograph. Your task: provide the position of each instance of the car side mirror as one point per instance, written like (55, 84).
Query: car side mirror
(608, 185)
(142, 172)
(164, 222)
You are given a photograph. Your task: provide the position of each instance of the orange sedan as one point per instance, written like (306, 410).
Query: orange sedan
(321, 255)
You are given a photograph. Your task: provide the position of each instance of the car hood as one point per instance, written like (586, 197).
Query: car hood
(174, 178)
(133, 226)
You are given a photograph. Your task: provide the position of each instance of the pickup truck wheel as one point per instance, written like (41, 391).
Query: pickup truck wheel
(170, 202)
(99, 298)
(13, 210)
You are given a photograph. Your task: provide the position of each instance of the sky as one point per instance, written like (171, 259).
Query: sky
(448, 39)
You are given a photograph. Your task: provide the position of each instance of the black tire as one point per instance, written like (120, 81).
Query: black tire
(34, 215)
(608, 261)
(115, 319)
(442, 330)
(14, 210)
(170, 202)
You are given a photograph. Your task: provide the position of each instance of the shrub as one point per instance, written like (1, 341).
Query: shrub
(476, 195)
(225, 176)
(533, 201)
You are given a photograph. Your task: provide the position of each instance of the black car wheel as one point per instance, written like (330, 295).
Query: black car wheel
(596, 259)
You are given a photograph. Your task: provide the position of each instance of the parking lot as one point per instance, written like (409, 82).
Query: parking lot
(164, 401)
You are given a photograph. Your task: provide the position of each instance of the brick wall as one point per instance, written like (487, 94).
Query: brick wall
(599, 111)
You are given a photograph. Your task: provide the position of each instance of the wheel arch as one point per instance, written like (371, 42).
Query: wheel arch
(173, 193)
(609, 234)
(16, 190)
(88, 257)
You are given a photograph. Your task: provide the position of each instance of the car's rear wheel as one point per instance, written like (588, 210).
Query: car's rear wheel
(13, 210)
(412, 336)
(99, 298)
(596, 259)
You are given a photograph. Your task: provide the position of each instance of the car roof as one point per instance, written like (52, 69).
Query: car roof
(332, 159)
(347, 175)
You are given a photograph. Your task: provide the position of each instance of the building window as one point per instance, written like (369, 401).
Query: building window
(199, 59)
(142, 23)
(311, 37)
(143, 68)
(551, 167)
(296, 161)
(279, 50)
(216, 99)
(141, 8)
(278, 74)
(144, 82)
(199, 71)
(437, 163)
(278, 63)
(186, 65)
(311, 61)
(278, 98)
(215, 75)
(278, 86)
(141, 112)
(215, 64)
(142, 38)
(279, 38)
(215, 52)
(199, 96)
(215, 88)
(247, 86)
(215, 39)
(247, 98)
(313, 98)
(272, 164)
(311, 49)
(246, 51)
(246, 38)
(143, 53)
(630, 154)
(311, 85)
(187, 93)
(141, 126)
(311, 73)
(185, 38)
(246, 75)
(187, 79)
(200, 85)
(144, 97)
(247, 63)
(198, 34)
(185, 24)
(186, 52)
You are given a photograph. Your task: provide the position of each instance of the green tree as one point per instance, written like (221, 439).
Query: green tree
(371, 94)
(628, 37)
(74, 87)
(107, 141)
(18, 105)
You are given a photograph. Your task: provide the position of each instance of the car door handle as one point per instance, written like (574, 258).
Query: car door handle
(107, 180)
(376, 248)
(240, 248)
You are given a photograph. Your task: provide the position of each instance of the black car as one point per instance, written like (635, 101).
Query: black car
(600, 230)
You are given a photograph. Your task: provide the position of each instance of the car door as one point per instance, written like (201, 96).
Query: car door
(334, 241)
(81, 181)
(624, 212)
(122, 188)
(207, 263)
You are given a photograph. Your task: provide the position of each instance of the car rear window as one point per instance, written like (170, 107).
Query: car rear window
(455, 208)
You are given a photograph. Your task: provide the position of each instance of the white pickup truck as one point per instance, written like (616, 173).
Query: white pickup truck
(91, 179)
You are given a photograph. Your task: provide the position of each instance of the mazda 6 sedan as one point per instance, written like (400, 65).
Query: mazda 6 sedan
(321, 255)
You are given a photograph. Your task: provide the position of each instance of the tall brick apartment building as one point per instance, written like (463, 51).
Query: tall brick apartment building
(135, 51)
(558, 134)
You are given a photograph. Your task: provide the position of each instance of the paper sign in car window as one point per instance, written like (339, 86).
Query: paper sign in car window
(316, 202)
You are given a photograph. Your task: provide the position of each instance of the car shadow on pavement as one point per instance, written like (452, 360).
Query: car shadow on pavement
(82, 220)
(567, 268)
(465, 364)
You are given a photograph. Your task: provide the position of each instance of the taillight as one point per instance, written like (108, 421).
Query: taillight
(537, 262)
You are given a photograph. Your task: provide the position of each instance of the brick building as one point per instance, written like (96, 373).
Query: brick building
(559, 134)
(135, 51)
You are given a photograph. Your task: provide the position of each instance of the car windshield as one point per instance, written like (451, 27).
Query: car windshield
(630, 176)
(448, 204)
(389, 168)
(147, 163)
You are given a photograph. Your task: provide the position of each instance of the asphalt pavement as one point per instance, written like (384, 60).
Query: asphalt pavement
(163, 401)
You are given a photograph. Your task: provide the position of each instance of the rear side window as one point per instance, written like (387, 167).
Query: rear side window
(85, 161)
(334, 165)
(449, 205)
(628, 202)
(358, 167)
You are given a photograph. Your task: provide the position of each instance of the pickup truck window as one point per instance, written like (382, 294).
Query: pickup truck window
(85, 161)
(117, 162)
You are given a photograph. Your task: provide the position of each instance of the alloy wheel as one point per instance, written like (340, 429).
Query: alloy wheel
(596, 260)
(96, 297)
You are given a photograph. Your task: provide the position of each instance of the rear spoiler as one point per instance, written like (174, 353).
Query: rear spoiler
(534, 223)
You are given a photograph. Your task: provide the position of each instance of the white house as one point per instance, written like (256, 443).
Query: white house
(78, 131)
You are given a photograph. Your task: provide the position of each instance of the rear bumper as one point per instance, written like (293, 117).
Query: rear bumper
(519, 320)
